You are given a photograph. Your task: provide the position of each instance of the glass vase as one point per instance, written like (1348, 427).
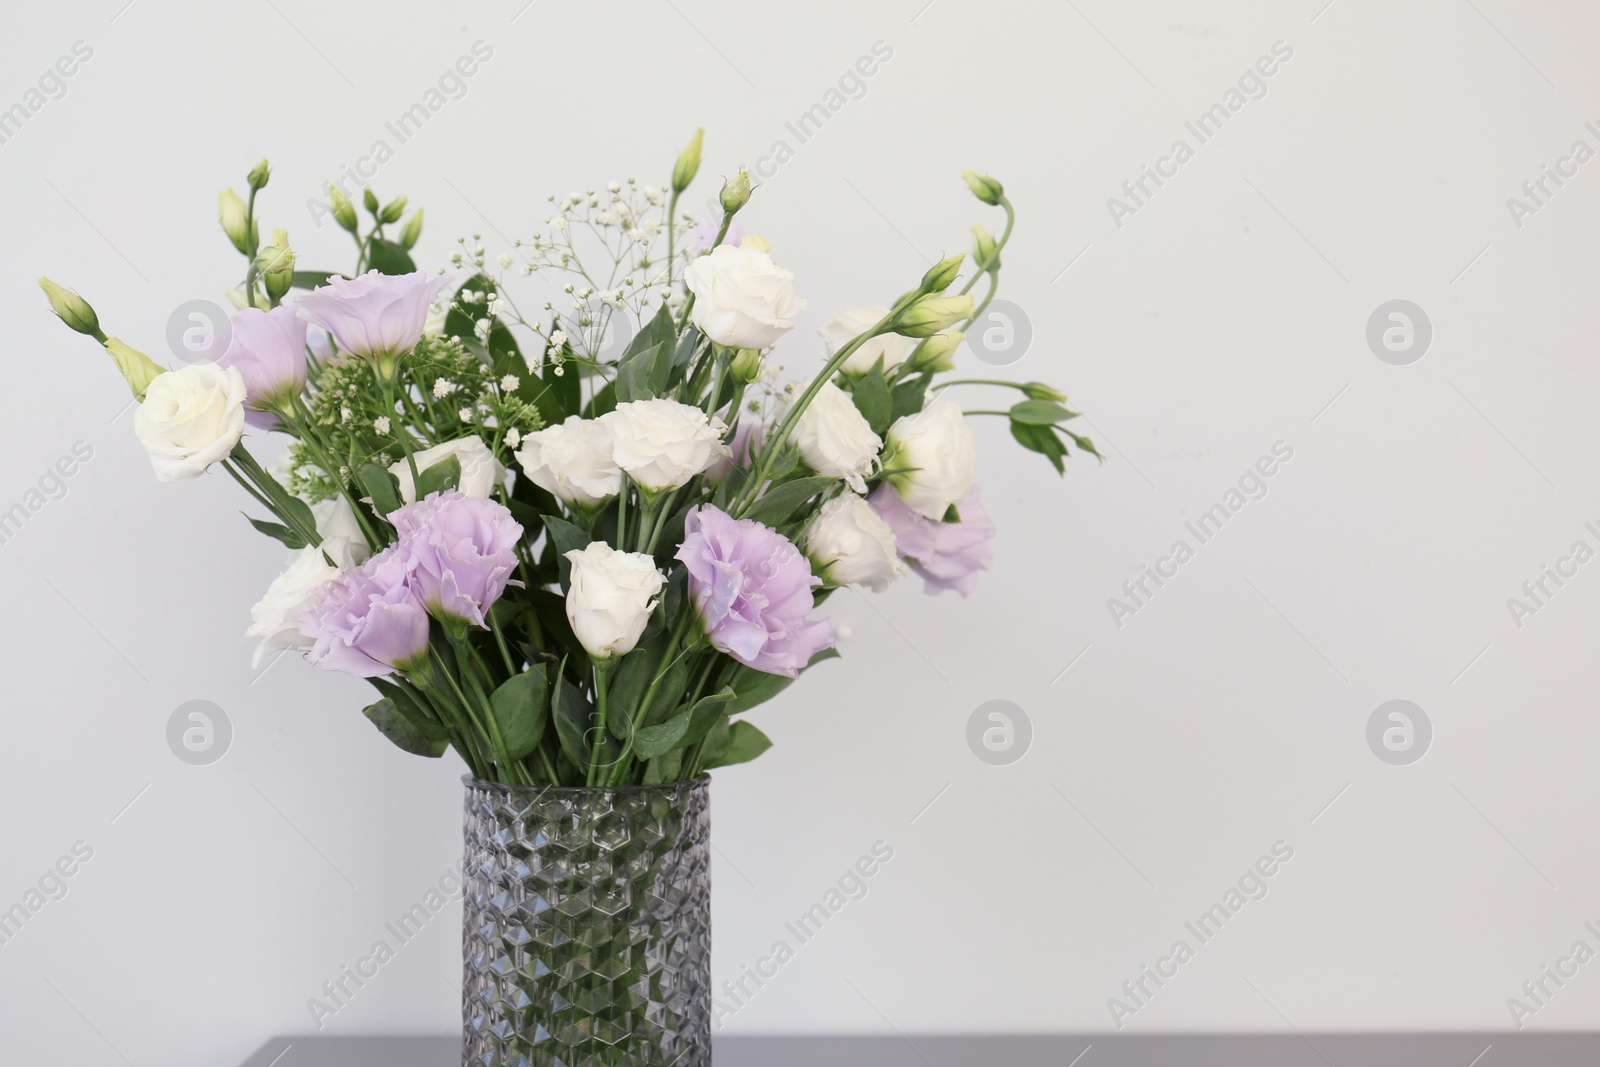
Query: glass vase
(587, 926)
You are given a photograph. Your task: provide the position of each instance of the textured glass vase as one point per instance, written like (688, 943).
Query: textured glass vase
(587, 935)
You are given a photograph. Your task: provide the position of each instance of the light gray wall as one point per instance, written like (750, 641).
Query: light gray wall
(1228, 313)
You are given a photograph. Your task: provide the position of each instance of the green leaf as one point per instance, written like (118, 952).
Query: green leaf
(1040, 439)
(566, 537)
(652, 741)
(445, 474)
(386, 257)
(665, 768)
(410, 704)
(752, 687)
(309, 279)
(872, 399)
(574, 717)
(909, 397)
(645, 367)
(1040, 413)
(397, 728)
(1084, 444)
(381, 487)
(745, 743)
(635, 376)
(277, 531)
(520, 708)
(779, 503)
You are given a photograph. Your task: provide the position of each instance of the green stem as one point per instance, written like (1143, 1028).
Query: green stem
(600, 672)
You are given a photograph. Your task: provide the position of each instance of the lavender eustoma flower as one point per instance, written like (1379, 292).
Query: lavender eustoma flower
(269, 350)
(461, 551)
(371, 623)
(948, 555)
(374, 315)
(752, 590)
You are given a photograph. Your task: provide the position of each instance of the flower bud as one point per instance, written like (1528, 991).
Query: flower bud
(275, 261)
(936, 354)
(746, 365)
(983, 248)
(71, 309)
(929, 314)
(688, 164)
(736, 194)
(1041, 391)
(942, 273)
(138, 369)
(412, 230)
(235, 219)
(344, 212)
(370, 199)
(259, 174)
(983, 187)
(392, 211)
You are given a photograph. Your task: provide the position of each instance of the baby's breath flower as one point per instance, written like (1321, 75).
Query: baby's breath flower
(466, 415)
(514, 437)
(443, 388)
(509, 383)
(505, 261)
(381, 425)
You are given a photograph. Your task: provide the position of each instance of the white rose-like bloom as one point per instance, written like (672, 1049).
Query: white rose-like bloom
(741, 298)
(342, 539)
(191, 418)
(575, 460)
(661, 444)
(835, 439)
(942, 453)
(851, 323)
(275, 619)
(849, 544)
(481, 473)
(610, 597)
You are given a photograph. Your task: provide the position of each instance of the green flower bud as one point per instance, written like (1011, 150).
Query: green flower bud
(235, 219)
(72, 309)
(1041, 391)
(138, 369)
(344, 212)
(983, 248)
(412, 230)
(983, 187)
(392, 211)
(746, 365)
(942, 273)
(259, 174)
(736, 194)
(688, 164)
(275, 261)
(930, 314)
(937, 353)
(370, 199)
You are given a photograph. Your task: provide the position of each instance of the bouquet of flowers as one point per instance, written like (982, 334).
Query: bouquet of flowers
(577, 544)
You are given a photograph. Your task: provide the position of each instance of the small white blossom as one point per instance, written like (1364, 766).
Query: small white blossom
(513, 438)
(509, 383)
(466, 415)
(443, 388)
(505, 260)
(381, 425)
(344, 414)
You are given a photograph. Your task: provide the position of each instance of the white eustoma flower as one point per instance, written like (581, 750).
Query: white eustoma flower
(574, 460)
(851, 323)
(742, 299)
(275, 619)
(835, 439)
(933, 457)
(849, 544)
(481, 473)
(661, 444)
(191, 418)
(610, 597)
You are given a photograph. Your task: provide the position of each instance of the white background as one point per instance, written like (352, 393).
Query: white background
(1227, 314)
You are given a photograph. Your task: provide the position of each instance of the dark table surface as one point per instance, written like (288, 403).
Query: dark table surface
(1291, 1050)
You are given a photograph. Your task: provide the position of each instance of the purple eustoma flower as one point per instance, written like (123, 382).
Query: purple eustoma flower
(370, 623)
(948, 555)
(269, 350)
(376, 315)
(462, 552)
(752, 590)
